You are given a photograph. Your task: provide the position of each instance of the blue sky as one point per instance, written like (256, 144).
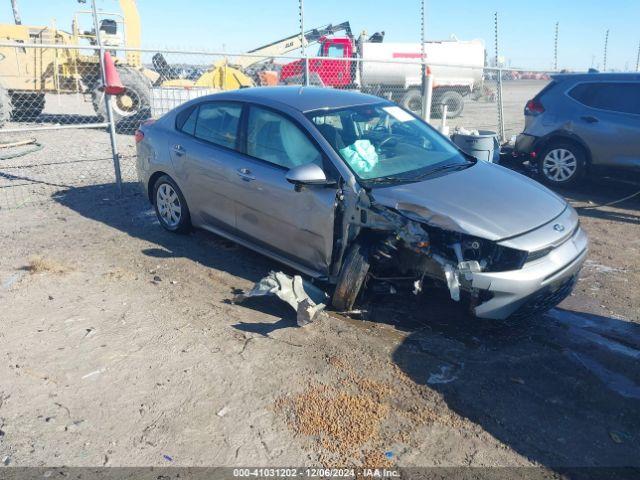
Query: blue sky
(526, 27)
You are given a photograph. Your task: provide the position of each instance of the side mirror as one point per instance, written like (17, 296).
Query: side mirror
(307, 174)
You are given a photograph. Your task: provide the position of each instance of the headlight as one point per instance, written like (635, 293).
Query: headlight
(538, 254)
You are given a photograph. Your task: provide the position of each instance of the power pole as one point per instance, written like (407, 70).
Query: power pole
(16, 12)
(606, 46)
(638, 59)
(555, 49)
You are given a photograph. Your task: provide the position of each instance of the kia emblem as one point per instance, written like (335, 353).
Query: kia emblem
(558, 227)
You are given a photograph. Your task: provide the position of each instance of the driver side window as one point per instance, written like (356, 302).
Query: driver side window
(275, 139)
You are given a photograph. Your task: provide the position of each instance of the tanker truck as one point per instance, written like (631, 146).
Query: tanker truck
(371, 70)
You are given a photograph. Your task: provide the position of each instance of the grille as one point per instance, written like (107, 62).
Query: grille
(545, 300)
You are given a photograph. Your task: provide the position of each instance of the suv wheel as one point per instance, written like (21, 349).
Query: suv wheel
(561, 164)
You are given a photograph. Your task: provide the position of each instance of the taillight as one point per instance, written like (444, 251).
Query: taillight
(533, 107)
(139, 136)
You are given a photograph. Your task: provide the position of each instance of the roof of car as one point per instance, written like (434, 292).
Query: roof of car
(304, 99)
(597, 76)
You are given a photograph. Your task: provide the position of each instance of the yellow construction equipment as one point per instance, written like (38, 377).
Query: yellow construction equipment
(27, 74)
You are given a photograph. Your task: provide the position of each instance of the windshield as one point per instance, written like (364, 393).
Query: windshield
(385, 144)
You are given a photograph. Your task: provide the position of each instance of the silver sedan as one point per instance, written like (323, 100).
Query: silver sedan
(352, 189)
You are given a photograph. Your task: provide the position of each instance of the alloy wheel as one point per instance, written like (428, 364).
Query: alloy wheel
(559, 165)
(169, 206)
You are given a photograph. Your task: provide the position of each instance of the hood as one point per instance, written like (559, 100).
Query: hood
(485, 200)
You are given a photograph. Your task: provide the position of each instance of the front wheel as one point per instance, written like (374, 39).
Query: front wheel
(412, 101)
(561, 164)
(170, 205)
(353, 273)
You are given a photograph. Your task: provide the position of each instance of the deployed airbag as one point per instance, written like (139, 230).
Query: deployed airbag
(360, 155)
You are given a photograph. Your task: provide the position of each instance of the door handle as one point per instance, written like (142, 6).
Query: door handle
(179, 150)
(245, 174)
(589, 119)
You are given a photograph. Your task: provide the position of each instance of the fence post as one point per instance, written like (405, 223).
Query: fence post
(499, 71)
(107, 102)
(427, 81)
(427, 97)
(500, 107)
(303, 50)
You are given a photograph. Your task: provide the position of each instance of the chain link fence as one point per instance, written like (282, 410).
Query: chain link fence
(54, 131)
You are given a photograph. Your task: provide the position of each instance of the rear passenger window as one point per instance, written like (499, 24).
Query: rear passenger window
(614, 96)
(189, 125)
(186, 120)
(218, 123)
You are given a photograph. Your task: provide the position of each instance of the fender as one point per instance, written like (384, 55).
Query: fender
(563, 134)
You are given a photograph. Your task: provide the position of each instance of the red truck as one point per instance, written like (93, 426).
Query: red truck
(457, 69)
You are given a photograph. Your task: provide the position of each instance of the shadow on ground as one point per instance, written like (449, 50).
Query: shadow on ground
(563, 390)
(132, 214)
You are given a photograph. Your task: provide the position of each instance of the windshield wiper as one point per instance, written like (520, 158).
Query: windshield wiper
(390, 179)
(441, 168)
(417, 178)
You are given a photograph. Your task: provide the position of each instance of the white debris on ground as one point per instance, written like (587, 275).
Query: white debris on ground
(305, 298)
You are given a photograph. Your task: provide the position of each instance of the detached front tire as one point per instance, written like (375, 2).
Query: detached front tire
(562, 164)
(170, 205)
(353, 273)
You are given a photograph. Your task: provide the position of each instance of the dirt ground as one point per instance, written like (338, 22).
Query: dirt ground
(120, 346)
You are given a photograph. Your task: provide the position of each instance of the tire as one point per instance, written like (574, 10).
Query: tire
(352, 276)
(26, 106)
(452, 99)
(129, 108)
(5, 106)
(412, 101)
(562, 164)
(166, 196)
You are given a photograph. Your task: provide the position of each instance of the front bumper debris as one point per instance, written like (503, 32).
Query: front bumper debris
(545, 281)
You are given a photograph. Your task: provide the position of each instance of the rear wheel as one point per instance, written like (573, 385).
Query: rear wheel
(561, 164)
(130, 107)
(454, 102)
(352, 276)
(170, 205)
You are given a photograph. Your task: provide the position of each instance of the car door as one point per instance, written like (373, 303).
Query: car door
(609, 121)
(205, 154)
(271, 212)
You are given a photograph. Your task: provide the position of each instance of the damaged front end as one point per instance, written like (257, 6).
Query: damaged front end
(403, 252)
